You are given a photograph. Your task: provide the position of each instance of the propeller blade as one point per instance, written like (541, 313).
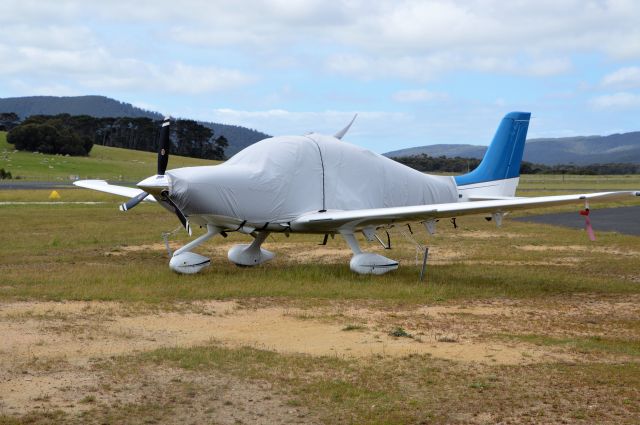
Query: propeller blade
(133, 201)
(165, 144)
(181, 216)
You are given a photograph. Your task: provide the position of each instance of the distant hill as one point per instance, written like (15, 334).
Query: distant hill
(451, 151)
(95, 106)
(583, 150)
(101, 106)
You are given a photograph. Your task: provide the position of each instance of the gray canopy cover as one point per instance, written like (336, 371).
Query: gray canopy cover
(294, 175)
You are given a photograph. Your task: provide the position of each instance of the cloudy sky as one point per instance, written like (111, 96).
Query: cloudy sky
(416, 72)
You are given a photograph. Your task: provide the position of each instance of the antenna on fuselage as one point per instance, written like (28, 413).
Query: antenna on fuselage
(340, 134)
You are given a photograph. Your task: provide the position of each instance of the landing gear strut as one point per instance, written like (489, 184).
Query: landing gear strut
(251, 254)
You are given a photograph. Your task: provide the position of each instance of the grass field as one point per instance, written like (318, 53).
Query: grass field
(572, 183)
(525, 324)
(103, 162)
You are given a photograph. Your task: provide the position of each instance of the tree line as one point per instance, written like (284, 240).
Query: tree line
(76, 134)
(426, 163)
(8, 120)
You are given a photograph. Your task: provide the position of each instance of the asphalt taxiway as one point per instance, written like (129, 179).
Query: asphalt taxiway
(624, 220)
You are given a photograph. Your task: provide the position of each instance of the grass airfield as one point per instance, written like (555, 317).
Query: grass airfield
(524, 324)
(103, 162)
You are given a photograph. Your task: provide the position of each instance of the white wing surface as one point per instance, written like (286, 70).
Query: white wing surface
(103, 186)
(357, 219)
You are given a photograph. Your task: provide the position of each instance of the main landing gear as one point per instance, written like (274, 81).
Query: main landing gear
(186, 262)
(367, 262)
(251, 254)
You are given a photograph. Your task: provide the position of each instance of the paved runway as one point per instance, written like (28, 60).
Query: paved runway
(622, 220)
(30, 185)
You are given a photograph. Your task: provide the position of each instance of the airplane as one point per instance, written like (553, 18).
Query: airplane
(319, 184)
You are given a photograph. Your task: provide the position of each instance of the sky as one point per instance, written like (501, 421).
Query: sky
(416, 72)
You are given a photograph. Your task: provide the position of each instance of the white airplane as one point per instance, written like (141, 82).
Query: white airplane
(319, 184)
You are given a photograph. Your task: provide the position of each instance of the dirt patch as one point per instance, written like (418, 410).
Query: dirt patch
(50, 350)
(168, 394)
(156, 247)
(77, 332)
(62, 389)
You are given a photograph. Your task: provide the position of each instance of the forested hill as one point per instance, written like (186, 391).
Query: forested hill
(102, 107)
(95, 106)
(615, 148)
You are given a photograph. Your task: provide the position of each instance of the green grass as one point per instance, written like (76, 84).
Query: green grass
(583, 344)
(571, 183)
(70, 252)
(103, 162)
(352, 327)
(400, 333)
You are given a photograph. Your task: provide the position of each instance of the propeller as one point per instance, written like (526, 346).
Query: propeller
(158, 181)
(165, 144)
(163, 159)
(133, 201)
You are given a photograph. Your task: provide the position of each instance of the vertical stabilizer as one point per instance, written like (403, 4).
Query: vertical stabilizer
(498, 173)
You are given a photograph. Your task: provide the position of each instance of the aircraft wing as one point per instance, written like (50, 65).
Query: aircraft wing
(357, 219)
(103, 186)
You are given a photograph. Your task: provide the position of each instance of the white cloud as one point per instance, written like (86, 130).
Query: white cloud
(418, 95)
(548, 67)
(628, 77)
(99, 69)
(621, 100)
(181, 51)
(27, 89)
(408, 39)
(428, 67)
(181, 78)
(283, 122)
(47, 36)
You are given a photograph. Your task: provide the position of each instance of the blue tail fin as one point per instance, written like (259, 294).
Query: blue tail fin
(502, 160)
